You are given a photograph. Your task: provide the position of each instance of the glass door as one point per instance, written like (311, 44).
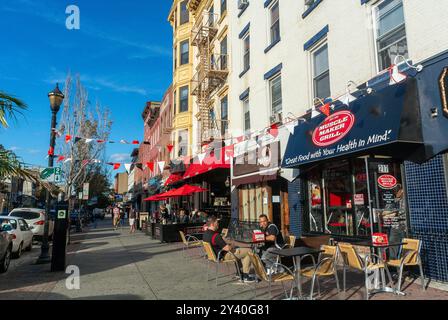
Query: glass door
(338, 186)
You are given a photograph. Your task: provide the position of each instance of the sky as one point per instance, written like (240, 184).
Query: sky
(122, 53)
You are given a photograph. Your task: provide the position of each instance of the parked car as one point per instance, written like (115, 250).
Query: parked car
(5, 247)
(36, 218)
(22, 236)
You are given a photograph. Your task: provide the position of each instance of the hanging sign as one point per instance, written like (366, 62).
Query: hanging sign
(387, 181)
(334, 128)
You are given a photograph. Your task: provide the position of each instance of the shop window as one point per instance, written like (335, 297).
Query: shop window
(321, 75)
(390, 32)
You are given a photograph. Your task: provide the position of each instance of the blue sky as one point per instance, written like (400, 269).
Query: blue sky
(122, 53)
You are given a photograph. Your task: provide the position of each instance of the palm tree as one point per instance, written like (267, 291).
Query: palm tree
(9, 107)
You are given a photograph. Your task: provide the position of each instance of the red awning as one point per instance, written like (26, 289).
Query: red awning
(211, 162)
(186, 190)
(173, 178)
(155, 198)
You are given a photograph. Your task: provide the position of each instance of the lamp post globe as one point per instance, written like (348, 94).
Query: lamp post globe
(56, 97)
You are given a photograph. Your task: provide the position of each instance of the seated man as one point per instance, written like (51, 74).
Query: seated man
(273, 240)
(213, 237)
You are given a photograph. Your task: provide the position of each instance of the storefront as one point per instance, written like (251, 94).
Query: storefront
(378, 164)
(257, 186)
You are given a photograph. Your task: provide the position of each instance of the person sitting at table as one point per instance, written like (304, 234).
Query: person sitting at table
(183, 218)
(273, 240)
(215, 239)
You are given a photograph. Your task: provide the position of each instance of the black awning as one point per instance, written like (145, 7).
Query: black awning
(386, 122)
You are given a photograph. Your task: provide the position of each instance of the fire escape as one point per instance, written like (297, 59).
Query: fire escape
(211, 74)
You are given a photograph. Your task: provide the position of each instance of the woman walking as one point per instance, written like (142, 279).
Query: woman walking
(132, 216)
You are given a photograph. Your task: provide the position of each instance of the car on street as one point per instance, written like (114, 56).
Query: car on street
(5, 247)
(36, 218)
(22, 236)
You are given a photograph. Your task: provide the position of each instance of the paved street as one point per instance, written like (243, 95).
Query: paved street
(117, 265)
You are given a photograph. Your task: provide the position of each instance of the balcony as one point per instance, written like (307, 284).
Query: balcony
(205, 29)
(209, 77)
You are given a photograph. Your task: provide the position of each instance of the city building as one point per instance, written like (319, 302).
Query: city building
(121, 184)
(302, 62)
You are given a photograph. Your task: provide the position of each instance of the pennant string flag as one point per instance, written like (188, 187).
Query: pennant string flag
(170, 147)
(161, 165)
(117, 166)
(150, 166)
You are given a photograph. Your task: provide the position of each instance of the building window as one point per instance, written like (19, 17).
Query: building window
(175, 102)
(321, 77)
(275, 86)
(183, 99)
(246, 112)
(275, 23)
(310, 3)
(184, 52)
(224, 115)
(224, 53)
(390, 32)
(183, 143)
(246, 52)
(223, 7)
(184, 14)
(175, 57)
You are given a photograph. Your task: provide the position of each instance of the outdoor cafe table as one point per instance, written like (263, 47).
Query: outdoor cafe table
(297, 253)
(380, 250)
(244, 243)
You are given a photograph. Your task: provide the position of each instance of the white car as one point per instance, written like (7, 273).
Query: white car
(36, 218)
(22, 236)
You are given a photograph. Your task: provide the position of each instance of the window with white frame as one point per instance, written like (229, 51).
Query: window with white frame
(275, 23)
(246, 52)
(275, 85)
(390, 32)
(246, 113)
(223, 57)
(321, 73)
(183, 143)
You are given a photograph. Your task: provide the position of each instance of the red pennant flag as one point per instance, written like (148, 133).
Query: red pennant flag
(273, 130)
(68, 138)
(135, 142)
(60, 158)
(186, 160)
(150, 166)
(100, 141)
(170, 147)
(325, 109)
(51, 151)
(117, 166)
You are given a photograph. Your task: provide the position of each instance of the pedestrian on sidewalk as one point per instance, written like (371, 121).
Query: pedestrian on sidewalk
(116, 217)
(132, 216)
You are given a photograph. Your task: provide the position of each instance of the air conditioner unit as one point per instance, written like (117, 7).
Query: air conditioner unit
(242, 4)
(276, 118)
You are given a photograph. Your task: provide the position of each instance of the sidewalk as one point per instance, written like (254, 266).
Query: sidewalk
(117, 265)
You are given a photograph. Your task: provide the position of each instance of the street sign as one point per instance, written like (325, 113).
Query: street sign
(80, 196)
(62, 214)
(85, 191)
(51, 174)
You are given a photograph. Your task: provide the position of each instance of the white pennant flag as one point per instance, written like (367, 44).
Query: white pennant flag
(124, 141)
(347, 98)
(228, 142)
(315, 113)
(159, 148)
(291, 126)
(161, 165)
(396, 76)
(67, 160)
(201, 157)
(127, 166)
(89, 140)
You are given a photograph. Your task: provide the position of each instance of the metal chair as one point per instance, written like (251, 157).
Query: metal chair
(189, 241)
(211, 257)
(409, 257)
(354, 261)
(262, 274)
(291, 241)
(326, 267)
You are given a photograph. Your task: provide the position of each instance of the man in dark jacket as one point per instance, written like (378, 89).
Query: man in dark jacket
(274, 240)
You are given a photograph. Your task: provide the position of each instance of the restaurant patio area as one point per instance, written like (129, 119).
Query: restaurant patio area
(118, 265)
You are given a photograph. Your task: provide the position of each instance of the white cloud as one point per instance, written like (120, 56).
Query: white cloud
(120, 157)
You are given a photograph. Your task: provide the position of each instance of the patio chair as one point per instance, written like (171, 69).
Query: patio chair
(189, 241)
(291, 241)
(262, 274)
(211, 257)
(409, 257)
(326, 267)
(352, 260)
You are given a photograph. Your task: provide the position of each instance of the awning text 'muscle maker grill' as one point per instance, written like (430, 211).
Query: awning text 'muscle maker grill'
(387, 122)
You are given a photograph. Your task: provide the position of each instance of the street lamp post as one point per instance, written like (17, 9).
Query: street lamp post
(56, 97)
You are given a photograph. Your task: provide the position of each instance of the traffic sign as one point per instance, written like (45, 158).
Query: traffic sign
(62, 214)
(51, 174)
